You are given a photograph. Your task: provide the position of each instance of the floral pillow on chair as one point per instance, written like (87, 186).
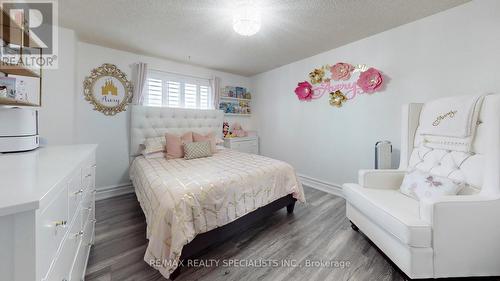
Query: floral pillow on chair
(420, 185)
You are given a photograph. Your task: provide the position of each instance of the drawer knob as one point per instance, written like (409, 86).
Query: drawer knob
(79, 233)
(61, 223)
(79, 192)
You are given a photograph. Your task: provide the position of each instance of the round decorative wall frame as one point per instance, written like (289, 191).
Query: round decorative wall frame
(108, 89)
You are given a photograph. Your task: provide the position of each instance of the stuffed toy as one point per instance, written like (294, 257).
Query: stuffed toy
(238, 130)
(225, 129)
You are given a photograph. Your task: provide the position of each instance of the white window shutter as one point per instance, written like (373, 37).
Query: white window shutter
(173, 94)
(172, 90)
(204, 97)
(154, 97)
(190, 93)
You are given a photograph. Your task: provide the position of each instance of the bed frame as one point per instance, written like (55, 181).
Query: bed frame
(204, 240)
(147, 122)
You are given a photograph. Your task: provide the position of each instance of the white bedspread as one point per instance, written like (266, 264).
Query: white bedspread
(182, 198)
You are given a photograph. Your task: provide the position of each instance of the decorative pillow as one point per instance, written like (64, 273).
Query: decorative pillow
(209, 137)
(419, 185)
(195, 150)
(176, 143)
(154, 155)
(153, 145)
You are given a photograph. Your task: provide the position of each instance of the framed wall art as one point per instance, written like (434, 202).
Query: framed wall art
(108, 89)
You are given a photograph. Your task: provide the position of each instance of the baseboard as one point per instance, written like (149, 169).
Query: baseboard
(324, 186)
(112, 191)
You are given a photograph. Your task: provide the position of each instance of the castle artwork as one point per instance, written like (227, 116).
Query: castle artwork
(111, 91)
(109, 88)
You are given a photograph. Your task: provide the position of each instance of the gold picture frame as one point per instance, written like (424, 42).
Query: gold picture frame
(115, 91)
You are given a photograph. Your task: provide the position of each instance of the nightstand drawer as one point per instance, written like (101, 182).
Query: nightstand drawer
(247, 144)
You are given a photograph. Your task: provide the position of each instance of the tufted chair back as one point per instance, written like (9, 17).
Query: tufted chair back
(456, 138)
(149, 121)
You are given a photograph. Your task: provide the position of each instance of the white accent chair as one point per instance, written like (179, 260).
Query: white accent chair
(453, 236)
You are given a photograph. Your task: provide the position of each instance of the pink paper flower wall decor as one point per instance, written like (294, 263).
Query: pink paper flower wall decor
(341, 71)
(304, 91)
(370, 81)
(348, 79)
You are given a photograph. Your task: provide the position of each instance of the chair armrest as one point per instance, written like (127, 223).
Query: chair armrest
(465, 231)
(432, 209)
(381, 179)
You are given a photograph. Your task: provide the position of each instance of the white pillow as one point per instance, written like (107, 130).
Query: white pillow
(153, 145)
(154, 155)
(419, 185)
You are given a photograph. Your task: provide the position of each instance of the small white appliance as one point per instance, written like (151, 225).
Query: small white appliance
(18, 129)
(383, 155)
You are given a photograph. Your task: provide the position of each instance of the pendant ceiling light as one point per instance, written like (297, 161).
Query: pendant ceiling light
(246, 18)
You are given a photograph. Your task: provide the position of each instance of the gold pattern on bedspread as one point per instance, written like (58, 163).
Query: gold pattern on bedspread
(182, 198)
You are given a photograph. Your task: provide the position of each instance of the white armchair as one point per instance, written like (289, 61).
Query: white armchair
(451, 236)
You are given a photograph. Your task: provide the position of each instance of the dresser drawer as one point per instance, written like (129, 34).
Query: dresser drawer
(75, 192)
(52, 224)
(60, 269)
(88, 177)
(88, 208)
(80, 263)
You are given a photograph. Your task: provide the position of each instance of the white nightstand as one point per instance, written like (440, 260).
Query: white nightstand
(245, 144)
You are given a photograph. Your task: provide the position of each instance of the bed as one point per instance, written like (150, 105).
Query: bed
(192, 204)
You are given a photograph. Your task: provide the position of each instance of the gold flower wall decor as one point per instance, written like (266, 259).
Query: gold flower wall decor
(337, 98)
(342, 81)
(318, 75)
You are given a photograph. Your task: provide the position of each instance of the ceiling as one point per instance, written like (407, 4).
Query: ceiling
(200, 32)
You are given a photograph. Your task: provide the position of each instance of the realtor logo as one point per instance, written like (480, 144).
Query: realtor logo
(29, 33)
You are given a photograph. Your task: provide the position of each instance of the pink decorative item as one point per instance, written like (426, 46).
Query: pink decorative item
(210, 137)
(304, 91)
(351, 80)
(341, 71)
(175, 144)
(238, 131)
(370, 80)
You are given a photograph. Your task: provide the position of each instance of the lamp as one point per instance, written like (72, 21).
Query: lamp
(246, 18)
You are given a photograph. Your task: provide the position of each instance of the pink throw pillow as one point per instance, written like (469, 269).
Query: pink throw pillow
(175, 144)
(209, 137)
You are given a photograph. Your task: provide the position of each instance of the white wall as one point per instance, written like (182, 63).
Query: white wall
(111, 132)
(56, 124)
(450, 53)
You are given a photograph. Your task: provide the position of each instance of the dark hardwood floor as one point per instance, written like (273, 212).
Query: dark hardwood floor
(316, 231)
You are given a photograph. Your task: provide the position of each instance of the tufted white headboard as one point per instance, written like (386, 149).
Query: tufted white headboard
(149, 121)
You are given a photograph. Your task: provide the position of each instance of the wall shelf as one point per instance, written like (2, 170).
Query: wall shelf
(237, 114)
(18, 69)
(10, 101)
(16, 36)
(14, 33)
(235, 99)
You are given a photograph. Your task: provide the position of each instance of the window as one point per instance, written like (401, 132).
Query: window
(172, 90)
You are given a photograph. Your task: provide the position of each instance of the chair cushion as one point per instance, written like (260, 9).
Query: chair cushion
(393, 211)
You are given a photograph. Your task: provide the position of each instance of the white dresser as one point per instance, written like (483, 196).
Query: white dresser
(47, 213)
(245, 144)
